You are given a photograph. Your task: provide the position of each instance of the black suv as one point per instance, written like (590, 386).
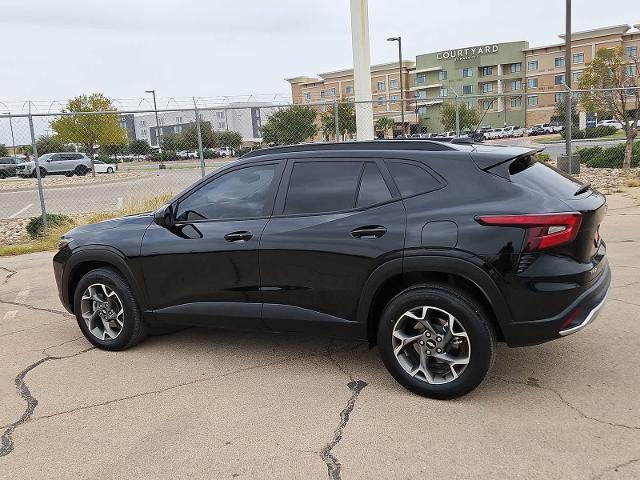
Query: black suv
(433, 251)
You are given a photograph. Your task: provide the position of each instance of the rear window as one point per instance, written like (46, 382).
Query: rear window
(529, 172)
(412, 179)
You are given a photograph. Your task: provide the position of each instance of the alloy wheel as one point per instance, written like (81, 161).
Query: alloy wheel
(102, 311)
(431, 345)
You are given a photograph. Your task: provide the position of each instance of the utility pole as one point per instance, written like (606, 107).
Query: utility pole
(361, 69)
(567, 81)
(155, 109)
(199, 130)
(399, 40)
(457, 115)
(336, 118)
(13, 140)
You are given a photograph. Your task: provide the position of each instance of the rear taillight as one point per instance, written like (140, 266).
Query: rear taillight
(544, 231)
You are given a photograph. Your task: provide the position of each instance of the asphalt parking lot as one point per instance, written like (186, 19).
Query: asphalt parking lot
(219, 404)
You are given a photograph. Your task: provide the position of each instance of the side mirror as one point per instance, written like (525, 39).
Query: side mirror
(164, 216)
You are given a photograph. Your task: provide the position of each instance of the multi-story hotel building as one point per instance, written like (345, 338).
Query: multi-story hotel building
(545, 66)
(385, 88)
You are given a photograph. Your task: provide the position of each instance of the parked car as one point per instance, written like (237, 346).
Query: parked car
(187, 154)
(494, 134)
(101, 167)
(433, 251)
(225, 152)
(556, 127)
(57, 164)
(536, 130)
(8, 166)
(513, 131)
(610, 123)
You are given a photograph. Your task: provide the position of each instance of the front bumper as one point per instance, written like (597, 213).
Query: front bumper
(574, 318)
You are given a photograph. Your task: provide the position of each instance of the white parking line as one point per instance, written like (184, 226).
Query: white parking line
(22, 210)
(120, 203)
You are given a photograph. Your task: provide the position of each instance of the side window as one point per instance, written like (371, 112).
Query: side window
(373, 189)
(243, 193)
(411, 179)
(75, 156)
(56, 158)
(317, 187)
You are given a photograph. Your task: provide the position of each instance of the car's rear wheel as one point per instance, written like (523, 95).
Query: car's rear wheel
(107, 312)
(436, 341)
(43, 173)
(68, 174)
(110, 170)
(3, 174)
(81, 170)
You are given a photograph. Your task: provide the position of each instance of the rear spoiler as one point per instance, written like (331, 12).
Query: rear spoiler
(499, 162)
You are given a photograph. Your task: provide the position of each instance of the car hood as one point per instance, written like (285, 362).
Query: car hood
(134, 221)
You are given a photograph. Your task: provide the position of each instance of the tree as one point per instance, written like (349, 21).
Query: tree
(230, 139)
(469, 116)
(4, 151)
(384, 124)
(114, 150)
(290, 125)
(189, 137)
(48, 144)
(90, 130)
(171, 142)
(609, 70)
(139, 147)
(560, 112)
(346, 120)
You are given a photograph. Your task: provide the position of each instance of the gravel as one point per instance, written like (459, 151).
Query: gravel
(17, 183)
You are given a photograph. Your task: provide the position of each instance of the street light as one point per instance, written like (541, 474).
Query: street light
(13, 140)
(155, 109)
(399, 40)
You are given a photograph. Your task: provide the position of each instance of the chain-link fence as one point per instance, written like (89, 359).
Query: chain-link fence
(78, 161)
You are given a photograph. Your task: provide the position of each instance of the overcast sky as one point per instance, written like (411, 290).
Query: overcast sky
(62, 48)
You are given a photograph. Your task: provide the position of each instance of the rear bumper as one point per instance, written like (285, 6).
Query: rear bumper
(572, 319)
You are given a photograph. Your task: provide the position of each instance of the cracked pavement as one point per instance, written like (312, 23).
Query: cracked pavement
(218, 404)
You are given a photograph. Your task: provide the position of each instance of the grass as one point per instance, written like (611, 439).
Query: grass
(632, 182)
(557, 138)
(49, 240)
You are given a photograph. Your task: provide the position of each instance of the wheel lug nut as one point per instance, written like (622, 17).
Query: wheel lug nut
(421, 342)
(439, 339)
(428, 334)
(439, 350)
(428, 352)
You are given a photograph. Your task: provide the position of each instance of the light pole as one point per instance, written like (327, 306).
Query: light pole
(567, 81)
(13, 140)
(155, 109)
(399, 40)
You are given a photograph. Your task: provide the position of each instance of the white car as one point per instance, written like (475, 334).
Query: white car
(513, 131)
(494, 134)
(101, 167)
(610, 123)
(187, 154)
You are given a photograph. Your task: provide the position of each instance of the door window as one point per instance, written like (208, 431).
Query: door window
(317, 187)
(373, 188)
(412, 179)
(244, 193)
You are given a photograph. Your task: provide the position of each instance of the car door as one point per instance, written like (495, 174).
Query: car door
(335, 222)
(55, 163)
(203, 270)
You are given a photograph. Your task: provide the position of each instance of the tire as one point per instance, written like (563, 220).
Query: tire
(68, 174)
(469, 315)
(81, 170)
(109, 170)
(3, 174)
(133, 330)
(43, 173)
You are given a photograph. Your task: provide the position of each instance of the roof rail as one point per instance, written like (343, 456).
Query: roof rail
(424, 145)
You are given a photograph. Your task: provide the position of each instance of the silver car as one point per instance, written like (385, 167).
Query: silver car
(57, 164)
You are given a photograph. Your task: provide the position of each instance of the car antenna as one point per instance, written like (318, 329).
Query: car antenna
(482, 118)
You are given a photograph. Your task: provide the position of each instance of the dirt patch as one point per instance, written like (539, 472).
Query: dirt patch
(52, 181)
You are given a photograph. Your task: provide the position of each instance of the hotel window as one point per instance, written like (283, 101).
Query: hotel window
(421, 94)
(177, 129)
(306, 96)
(487, 87)
(202, 114)
(532, 101)
(516, 102)
(631, 71)
(349, 90)
(516, 84)
(487, 104)
(394, 98)
(393, 84)
(421, 78)
(576, 76)
(221, 126)
(486, 71)
(321, 93)
(143, 123)
(578, 58)
(380, 86)
(444, 92)
(631, 52)
(422, 111)
(467, 72)
(558, 79)
(220, 115)
(467, 89)
(559, 62)
(143, 132)
(332, 91)
(178, 119)
(516, 67)
(161, 120)
(558, 97)
(442, 75)
(532, 82)
(381, 100)
(532, 65)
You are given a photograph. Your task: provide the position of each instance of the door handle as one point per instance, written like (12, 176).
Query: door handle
(369, 231)
(238, 236)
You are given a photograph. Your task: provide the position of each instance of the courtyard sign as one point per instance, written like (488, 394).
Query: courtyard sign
(466, 53)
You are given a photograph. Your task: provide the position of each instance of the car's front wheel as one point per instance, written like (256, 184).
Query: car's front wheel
(110, 170)
(436, 341)
(107, 312)
(81, 170)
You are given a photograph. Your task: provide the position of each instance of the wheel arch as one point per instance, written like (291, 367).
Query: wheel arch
(398, 275)
(90, 258)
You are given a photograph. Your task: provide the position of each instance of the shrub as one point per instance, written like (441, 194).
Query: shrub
(35, 227)
(106, 158)
(612, 157)
(210, 153)
(543, 157)
(589, 153)
(165, 156)
(593, 132)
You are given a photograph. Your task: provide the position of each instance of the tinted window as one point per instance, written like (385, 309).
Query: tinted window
(5, 161)
(411, 179)
(542, 177)
(242, 193)
(322, 187)
(373, 189)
